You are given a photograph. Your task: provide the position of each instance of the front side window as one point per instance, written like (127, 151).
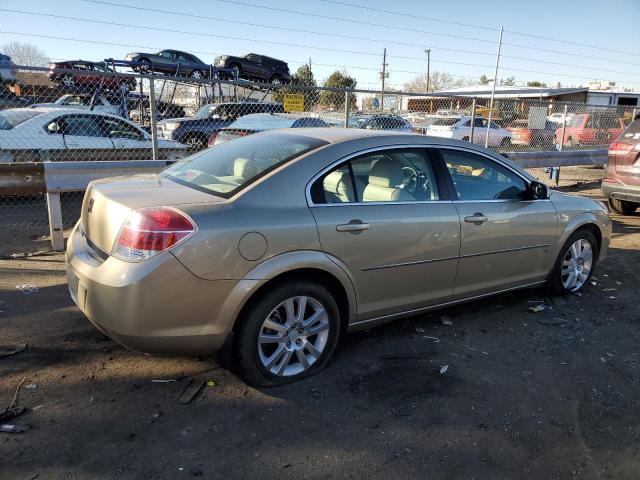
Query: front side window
(400, 175)
(479, 178)
(120, 129)
(228, 168)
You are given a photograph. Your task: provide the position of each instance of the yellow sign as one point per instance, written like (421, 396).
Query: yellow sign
(294, 102)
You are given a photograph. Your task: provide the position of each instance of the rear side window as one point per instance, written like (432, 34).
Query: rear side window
(445, 122)
(231, 166)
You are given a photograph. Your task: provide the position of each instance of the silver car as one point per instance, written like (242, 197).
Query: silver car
(278, 243)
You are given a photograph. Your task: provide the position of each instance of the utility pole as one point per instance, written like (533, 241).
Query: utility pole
(428, 52)
(309, 63)
(383, 75)
(493, 90)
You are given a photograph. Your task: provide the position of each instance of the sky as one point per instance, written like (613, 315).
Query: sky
(462, 35)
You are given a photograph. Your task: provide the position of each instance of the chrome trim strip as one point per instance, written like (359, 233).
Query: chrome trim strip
(506, 250)
(418, 262)
(407, 313)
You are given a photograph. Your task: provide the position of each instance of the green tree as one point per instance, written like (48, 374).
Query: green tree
(508, 82)
(303, 77)
(335, 100)
(536, 83)
(484, 80)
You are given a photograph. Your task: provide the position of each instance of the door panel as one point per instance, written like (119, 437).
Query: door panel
(406, 258)
(505, 238)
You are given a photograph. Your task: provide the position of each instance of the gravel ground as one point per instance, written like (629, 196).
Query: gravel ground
(553, 394)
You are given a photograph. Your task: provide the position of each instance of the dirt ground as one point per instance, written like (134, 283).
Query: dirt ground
(548, 395)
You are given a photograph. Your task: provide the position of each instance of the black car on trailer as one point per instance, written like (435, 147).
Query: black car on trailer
(256, 67)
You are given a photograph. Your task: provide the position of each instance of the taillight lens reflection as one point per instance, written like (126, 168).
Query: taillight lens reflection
(149, 231)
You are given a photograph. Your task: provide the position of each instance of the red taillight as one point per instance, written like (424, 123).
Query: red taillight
(149, 231)
(212, 139)
(619, 148)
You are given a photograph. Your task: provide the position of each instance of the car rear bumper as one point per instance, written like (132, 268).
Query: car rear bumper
(619, 191)
(156, 306)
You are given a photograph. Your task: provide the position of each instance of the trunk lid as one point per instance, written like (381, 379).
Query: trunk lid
(107, 203)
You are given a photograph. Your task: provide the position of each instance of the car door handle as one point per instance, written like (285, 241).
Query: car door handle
(354, 226)
(476, 218)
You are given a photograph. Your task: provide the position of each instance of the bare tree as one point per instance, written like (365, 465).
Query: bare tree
(26, 54)
(437, 81)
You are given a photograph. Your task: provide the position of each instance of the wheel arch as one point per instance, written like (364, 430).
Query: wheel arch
(308, 265)
(584, 221)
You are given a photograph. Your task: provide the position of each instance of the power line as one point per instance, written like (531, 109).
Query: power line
(483, 27)
(296, 45)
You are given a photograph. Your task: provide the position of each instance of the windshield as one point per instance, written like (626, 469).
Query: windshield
(12, 118)
(358, 122)
(446, 122)
(231, 166)
(205, 111)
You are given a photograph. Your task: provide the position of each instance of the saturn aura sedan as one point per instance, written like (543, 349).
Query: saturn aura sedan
(276, 244)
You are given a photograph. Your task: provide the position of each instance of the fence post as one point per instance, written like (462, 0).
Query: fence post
(473, 119)
(346, 109)
(633, 114)
(152, 114)
(564, 129)
(56, 231)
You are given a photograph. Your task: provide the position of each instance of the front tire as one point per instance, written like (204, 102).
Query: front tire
(288, 333)
(622, 207)
(575, 264)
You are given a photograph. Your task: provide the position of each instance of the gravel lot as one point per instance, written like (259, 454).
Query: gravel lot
(554, 394)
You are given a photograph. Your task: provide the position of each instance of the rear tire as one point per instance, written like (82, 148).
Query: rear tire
(197, 74)
(296, 341)
(145, 65)
(195, 143)
(276, 80)
(68, 80)
(574, 262)
(622, 207)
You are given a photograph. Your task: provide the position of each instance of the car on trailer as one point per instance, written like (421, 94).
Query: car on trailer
(255, 67)
(172, 62)
(88, 74)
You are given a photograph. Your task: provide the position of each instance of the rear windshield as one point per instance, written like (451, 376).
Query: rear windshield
(13, 118)
(632, 132)
(227, 168)
(447, 122)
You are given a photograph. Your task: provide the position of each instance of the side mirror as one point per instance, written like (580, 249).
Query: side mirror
(538, 191)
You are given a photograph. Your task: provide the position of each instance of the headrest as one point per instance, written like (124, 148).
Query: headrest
(386, 173)
(244, 168)
(334, 180)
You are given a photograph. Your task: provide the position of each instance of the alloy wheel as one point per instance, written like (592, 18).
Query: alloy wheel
(576, 265)
(197, 74)
(195, 143)
(68, 81)
(293, 336)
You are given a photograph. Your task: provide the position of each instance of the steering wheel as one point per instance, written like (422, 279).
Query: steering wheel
(410, 180)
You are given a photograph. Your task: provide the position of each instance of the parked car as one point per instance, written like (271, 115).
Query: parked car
(195, 131)
(7, 69)
(590, 129)
(238, 238)
(460, 128)
(9, 99)
(256, 67)
(104, 103)
(621, 182)
(164, 110)
(51, 134)
(171, 62)
(559, 117)
(260, 122)
(380, 122)
(521, 134)
(85, 76)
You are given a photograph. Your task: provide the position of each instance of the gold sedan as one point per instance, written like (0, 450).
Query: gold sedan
(278, 243)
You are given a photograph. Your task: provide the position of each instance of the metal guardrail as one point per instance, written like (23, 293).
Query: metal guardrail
(54, 178)
(567, 158)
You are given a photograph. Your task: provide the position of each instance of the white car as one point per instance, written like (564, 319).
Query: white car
(559, 117)
(460, 129)
(104, 104)
(45, 134)
(7, 69)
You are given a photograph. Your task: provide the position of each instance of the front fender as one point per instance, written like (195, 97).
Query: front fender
(570, 224)
(281, 264)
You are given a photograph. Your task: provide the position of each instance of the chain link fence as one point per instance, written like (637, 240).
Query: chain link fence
(91, 113)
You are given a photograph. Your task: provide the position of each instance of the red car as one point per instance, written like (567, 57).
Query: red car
(621, 182)
(84, 76)
(521, 134)
(590, 129)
